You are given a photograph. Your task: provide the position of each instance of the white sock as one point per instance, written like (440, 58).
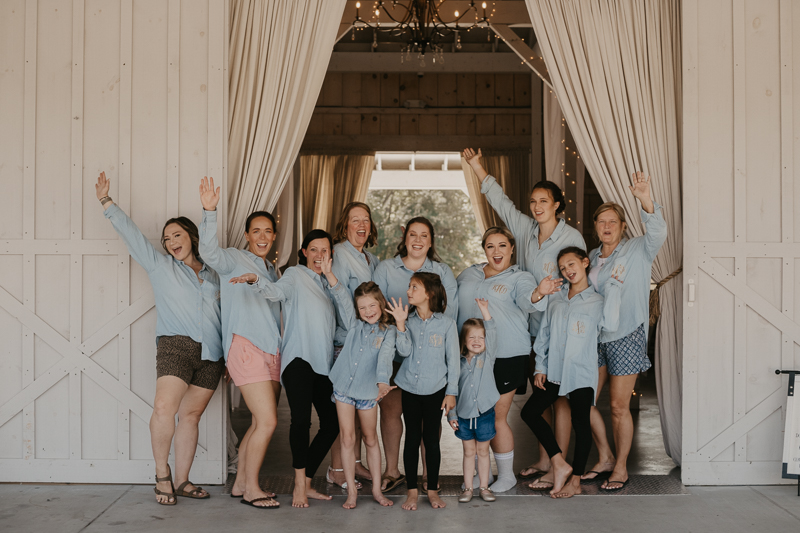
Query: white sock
(476, 481)
(506, 480)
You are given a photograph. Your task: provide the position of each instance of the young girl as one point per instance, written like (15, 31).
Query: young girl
(473, 417)
(428, 377)
(361, 375)
(566, 365)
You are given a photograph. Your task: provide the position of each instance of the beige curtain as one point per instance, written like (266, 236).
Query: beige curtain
(615, 68)
(278, 55)
(330, 182)
(512, 171)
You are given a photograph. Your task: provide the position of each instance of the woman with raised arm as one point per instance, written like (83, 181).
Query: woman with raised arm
(188, 339)
(512, 294)
(250, 336)
(306, 356)
(416, 252)
(622, 354)
(539, 237)
(353, 265)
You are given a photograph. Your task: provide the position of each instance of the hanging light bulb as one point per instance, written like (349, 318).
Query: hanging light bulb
(374, 39)
(458, 40)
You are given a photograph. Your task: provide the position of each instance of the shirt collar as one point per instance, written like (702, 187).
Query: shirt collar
(582, 295)
(427, 266)
(599, 250)
(269, 266)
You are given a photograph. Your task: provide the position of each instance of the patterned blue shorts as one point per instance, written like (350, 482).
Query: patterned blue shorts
(625, 356)
(361, 405)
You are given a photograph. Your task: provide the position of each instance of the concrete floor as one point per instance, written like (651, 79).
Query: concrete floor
(121, 508)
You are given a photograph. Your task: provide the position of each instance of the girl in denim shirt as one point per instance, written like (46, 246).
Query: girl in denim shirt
(428, 377)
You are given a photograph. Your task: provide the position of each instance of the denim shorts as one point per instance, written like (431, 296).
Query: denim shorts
(480, 429)
(361, 405)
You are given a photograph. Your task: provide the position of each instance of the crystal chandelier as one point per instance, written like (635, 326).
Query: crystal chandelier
(421, 23)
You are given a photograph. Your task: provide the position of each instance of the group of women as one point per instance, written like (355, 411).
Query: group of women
(400, 341)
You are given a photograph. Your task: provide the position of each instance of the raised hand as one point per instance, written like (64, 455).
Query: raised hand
(209, 196)
(539, 379)
(549, 285)
(383, 390)
(474, 160)
(245, 278)
(102, 185)
(398, 311)
(640, 188)
(483, 305)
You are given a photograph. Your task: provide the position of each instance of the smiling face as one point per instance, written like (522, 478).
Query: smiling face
(609, 227)
(543, 208)
(317, 251)
(498, 251)
(260, 237)
(573, 268)
(416, 292)
(369, 309)
(476, 340)
(178, 242)
(418, 240)
(358, 227)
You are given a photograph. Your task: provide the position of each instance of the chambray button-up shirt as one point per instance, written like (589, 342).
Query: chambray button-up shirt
(630, 266)
(566, 345)
(477, 392)
(430, 352)
(366, 358)
(539, 261)
(509, 294)
(244, 312)
(309, 316)
(351, 268)
(184, 305)
(393, 277)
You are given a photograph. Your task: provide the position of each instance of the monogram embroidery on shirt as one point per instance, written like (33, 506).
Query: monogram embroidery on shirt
(436, 340)
(549, 267)
(617, 272)
(500, 289)
(479, 364)
(579, 328)
(376, 342)
(216, 295)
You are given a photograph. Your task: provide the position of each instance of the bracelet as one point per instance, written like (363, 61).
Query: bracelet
(104, 198)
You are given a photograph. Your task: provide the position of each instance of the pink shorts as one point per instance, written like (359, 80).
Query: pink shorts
(247, 364)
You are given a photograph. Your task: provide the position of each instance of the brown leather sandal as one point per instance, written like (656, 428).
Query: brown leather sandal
(171, 499)
(197, 493)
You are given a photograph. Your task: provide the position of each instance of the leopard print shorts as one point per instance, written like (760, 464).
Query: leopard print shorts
(180, 356)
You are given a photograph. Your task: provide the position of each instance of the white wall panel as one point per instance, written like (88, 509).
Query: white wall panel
(134, 88)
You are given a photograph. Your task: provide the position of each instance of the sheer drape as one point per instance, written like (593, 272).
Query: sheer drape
(278, 55)
(512, 171)
(330, 182)
(615, 68)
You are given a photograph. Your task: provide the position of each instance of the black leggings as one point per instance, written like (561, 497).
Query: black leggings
(580, 401)
(422, 415)
(304, 387)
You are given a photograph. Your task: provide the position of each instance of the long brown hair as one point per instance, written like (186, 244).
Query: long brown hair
(190, 228)
(402, 250)
(340, 233)
(437, 297)
(469, 324)
(370, 288)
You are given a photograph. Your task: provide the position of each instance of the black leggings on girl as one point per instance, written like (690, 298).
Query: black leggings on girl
(423, 419)
(304, 387)
(580, 401)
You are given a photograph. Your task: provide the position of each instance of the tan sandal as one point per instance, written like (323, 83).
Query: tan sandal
(196, 493)
(171, 499)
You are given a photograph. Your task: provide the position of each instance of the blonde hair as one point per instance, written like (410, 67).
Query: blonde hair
(609, 206)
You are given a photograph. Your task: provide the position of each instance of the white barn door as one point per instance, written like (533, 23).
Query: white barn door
(741, 61)
(135, 88)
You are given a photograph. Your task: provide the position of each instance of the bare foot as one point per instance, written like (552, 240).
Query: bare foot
(436, 501)
(253, 495)
(314, 495)
(362, 472)
(352, 498)
(239, 491)
(381, 499)
(616, 480)
(543, 483)
(299, 498)
(560, 477)
(540, 467)
(598, 469)
(411, 500)
(572, 488)
(165, 486)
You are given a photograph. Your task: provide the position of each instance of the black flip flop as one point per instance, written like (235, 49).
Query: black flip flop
(623, 483)
(536, 473)
(241, 496)
(598, 476)
(252, 503)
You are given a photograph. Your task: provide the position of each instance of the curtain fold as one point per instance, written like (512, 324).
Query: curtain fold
(330, 182)
(278, 56)
(615, 69)
(513, 172)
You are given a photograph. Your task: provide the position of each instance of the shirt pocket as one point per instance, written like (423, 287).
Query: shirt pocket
(500, 292)
(581, 325)
(436, 340)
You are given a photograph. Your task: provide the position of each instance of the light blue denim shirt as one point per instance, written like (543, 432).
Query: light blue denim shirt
(477, 392)
(541, 261)
(566, 344)
(309, 316)
(430, 351)
(393, 277)
(351, 268)
(184, 306)
(244, 312)
(509, 294)
(630, 266)
(366, 358)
